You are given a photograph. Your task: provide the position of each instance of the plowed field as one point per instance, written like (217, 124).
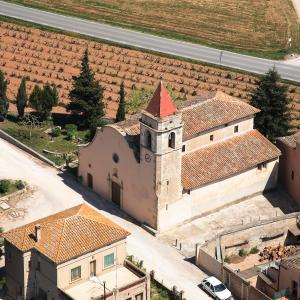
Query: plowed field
(259, 25)
(44, 57)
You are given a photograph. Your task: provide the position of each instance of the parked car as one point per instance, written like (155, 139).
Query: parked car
(215, 288)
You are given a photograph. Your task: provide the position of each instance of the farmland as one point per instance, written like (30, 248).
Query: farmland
(259, 27)
(48, 57)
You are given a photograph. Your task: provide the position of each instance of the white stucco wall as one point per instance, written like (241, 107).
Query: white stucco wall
(218, 194)
(136, 179)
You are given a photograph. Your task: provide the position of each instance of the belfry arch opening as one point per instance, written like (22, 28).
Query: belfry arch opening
(148, 140)
(171, 140)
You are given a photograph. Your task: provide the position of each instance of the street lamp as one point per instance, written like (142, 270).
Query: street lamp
(96, 280)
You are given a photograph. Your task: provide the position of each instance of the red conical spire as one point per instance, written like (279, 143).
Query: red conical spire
(161, 104)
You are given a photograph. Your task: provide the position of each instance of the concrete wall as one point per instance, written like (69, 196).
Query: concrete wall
(286, 278)
(218, 194)
(251, 235)
(208, 263)
(220, 133)
(14, 280)
(290, 163)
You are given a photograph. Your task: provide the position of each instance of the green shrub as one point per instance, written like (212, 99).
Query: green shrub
(20, 185)
(254, 250)
(242, 252)
(71, 127)
(56, 131)
(4, 186)
(71, 135)
(227, 259)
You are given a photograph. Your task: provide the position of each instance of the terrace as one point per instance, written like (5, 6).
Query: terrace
(126, 278)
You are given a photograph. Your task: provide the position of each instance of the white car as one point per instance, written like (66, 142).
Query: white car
(216, 288)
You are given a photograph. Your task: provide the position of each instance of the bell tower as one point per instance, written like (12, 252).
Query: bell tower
(161, 143)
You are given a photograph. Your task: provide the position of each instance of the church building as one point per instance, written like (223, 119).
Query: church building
(170, 164)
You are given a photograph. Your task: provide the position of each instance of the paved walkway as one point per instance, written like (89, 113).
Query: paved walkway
(56, 192)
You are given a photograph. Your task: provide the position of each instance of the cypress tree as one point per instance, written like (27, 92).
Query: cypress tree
(87, 96)
(43, 100)
(271, 98)
(22, 98)
(121, 109)
(4, 104)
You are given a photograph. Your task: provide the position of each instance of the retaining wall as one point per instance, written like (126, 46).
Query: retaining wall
(25, 148)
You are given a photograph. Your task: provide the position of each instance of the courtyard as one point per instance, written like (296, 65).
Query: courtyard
(206, 227)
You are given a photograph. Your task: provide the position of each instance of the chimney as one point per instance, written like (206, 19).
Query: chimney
(37, 232)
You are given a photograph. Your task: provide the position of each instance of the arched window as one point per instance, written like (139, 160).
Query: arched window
(148, 139)
(172, 140)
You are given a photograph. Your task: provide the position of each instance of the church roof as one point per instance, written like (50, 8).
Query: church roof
(201, 114)
(67, 234)
(161, 104)
(226, 158)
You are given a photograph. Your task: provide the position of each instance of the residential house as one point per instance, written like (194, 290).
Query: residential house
(74, 254)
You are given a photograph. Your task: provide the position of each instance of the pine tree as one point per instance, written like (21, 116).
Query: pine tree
(121, 109)
(271, 98)
(22, 98)
(87, 96)
(4, 104)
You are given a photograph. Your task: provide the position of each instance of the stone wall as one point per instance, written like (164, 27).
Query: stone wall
(25, 148)
(262, 233)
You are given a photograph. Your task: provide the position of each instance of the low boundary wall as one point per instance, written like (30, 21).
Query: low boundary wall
(210, 255)
(25, 148)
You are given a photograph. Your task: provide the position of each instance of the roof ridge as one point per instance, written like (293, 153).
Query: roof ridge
(59, 241)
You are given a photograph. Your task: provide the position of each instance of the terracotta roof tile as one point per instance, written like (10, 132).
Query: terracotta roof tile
(212, 112)
(290, 140)
(200, 114)
(67, 234)
(161, 104)
(292, 262)
(223, 159)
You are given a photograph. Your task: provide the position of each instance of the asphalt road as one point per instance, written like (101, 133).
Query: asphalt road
(288, 70)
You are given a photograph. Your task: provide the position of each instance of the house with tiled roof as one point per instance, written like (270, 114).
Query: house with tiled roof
(69, 255)
(289, 164)
(172, 163)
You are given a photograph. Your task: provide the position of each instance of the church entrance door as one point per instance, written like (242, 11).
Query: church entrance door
(116, 193)
(90, 180)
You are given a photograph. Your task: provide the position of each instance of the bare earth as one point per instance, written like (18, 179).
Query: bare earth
(256, 24)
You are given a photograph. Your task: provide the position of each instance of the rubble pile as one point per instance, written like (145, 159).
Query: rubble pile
(274, 253)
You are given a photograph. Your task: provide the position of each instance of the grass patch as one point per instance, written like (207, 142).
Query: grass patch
(8, 187)
(41, 140)
(159, 292)
(217, 25)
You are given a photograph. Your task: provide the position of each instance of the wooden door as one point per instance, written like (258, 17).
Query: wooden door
(90, 180)
(93, 268)
(116, 193)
